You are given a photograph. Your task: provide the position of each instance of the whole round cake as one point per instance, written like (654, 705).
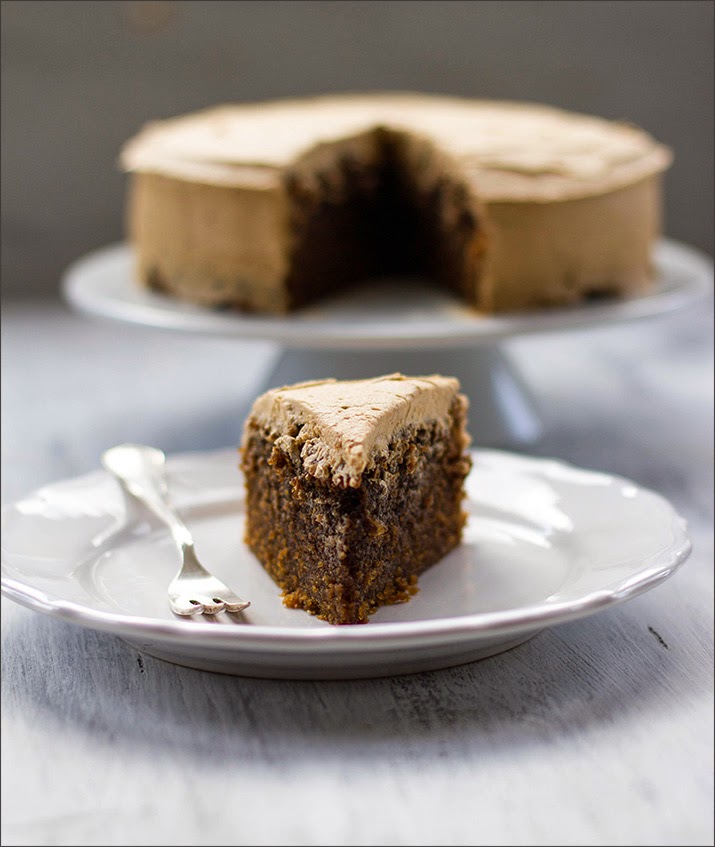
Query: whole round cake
(511, 206)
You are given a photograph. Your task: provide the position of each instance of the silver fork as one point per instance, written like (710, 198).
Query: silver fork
(193, 591)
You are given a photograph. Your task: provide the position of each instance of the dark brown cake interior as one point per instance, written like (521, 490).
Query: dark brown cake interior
(359, 220)
(341, 552)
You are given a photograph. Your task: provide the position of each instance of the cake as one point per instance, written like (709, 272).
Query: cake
(354, 488)
(510, 206)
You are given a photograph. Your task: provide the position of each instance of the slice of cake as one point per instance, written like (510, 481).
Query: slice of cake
(354, 488)
(510, 206)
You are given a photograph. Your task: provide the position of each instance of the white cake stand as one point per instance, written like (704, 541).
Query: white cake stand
(391, 325)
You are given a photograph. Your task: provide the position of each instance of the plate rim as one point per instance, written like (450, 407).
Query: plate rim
(480, 625)
(327, 332)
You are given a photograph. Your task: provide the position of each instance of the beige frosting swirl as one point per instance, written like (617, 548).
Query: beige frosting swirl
(511, 150)
(341, 427)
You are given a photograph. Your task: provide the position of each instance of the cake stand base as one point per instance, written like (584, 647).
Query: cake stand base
(502, 412)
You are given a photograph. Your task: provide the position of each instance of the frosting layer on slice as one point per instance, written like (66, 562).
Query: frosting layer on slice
(343, 427)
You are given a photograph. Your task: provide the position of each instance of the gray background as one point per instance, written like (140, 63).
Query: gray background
(78, 78)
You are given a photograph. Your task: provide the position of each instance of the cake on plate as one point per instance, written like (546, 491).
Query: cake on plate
(511, 206)
(354, 488)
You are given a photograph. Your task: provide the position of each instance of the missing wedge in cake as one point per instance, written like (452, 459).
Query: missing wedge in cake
(383, 204)
(355, 488)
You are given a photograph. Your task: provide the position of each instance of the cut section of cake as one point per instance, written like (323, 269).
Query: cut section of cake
(510, 206)
(354, 488)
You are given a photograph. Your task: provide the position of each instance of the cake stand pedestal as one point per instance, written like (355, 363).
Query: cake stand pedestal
(390, 325)
(502, 411)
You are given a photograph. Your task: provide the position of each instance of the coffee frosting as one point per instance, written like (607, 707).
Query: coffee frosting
(342, 427)
(512, 151)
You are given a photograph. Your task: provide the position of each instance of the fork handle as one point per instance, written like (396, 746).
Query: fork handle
(140, 470)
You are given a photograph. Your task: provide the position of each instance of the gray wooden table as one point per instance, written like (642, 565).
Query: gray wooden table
(595, 732)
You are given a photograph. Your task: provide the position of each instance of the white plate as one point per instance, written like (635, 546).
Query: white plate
(545, 543)
(385, 313)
